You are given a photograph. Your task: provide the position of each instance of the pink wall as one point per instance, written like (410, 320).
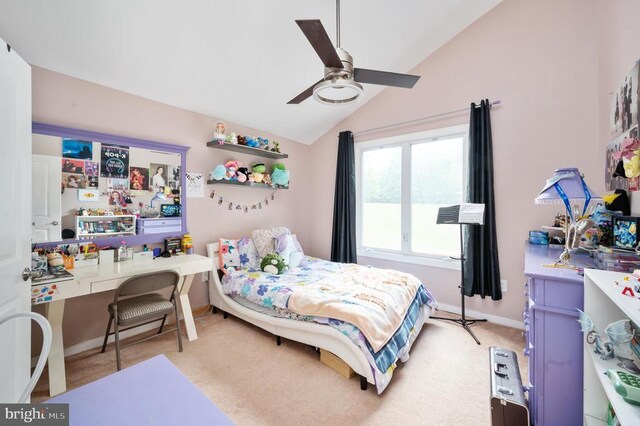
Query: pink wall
(540, 59)
(66, 101)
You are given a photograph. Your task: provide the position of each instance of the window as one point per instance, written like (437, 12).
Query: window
(402, 181)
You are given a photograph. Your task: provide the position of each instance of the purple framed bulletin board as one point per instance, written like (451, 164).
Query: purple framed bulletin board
(68, 132)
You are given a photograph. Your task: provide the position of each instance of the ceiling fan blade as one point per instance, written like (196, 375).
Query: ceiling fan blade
(317, 36)
(362, 75)
(304, 95)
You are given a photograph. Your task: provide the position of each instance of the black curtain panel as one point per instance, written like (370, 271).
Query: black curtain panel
(482, 269)
(343, 240)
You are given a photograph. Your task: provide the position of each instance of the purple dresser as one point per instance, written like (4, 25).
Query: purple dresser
(553, 338)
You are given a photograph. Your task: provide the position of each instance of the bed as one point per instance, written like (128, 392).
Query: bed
(233, 295)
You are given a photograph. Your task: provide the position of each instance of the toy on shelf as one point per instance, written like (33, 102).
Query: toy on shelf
(231, 167)
(242, 140)
(273, 263)
(626, 384)
(618, 332)
(263, 143)
(219, 134)
(276, 147)
(242, 174)
(232, 138)
(257, 172)
(280, 175)
(218, 173)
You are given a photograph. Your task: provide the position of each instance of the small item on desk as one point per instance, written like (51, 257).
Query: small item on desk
(122, 252)
(106, 255)
(539, 237)
(142, 256)
(172, 245)
(187, 244)
(68, 260)
(157, 252)
(166, 254)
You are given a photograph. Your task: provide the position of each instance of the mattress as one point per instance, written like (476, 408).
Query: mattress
(243, 283)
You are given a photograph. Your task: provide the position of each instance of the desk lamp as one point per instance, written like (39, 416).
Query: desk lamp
(567, 186)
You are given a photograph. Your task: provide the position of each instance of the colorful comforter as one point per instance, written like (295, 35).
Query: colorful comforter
(274, 292)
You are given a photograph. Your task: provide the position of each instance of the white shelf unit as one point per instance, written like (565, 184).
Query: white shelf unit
(105, 226)
(604, 303)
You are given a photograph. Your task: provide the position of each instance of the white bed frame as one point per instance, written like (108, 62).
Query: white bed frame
(309, 333)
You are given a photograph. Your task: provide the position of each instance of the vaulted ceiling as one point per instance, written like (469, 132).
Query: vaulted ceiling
(239, 60)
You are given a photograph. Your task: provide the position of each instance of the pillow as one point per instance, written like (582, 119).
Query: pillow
(288, 247)
(249, 257)
(229, 255)
(263, 239)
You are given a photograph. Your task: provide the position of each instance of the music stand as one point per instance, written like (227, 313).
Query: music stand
(464, 214)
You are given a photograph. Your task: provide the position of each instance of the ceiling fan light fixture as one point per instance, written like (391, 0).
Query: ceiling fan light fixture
(337, 91)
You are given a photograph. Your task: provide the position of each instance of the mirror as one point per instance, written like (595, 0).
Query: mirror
(93, 187)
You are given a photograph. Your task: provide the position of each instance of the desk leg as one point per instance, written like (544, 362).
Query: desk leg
(57, 375)
(185, 308)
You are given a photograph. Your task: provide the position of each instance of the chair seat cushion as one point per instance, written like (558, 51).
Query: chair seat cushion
(143, 307)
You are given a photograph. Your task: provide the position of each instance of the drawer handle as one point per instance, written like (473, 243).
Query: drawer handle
(526, 352)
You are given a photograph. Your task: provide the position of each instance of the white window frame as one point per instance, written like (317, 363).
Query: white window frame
(406, 141)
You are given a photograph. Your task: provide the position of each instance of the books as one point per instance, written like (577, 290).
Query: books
(52, 276)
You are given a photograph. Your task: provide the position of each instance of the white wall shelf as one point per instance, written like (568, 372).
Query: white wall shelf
(604, 303)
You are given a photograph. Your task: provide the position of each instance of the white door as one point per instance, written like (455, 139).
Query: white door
(15, 221)
(45, 198)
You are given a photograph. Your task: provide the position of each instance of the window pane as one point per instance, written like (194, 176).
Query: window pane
(381, 192)
(436, 181)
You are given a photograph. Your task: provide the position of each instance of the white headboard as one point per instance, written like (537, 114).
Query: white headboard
(212, 252)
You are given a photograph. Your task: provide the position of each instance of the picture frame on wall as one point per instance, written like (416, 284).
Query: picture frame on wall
(625, 232)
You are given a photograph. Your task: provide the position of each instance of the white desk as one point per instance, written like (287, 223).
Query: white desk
(96, 279)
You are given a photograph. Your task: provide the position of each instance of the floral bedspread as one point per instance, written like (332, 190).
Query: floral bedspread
(273, 292)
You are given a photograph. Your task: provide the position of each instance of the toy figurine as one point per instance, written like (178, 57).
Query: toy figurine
(218, 173)
(219, 133)
(232, 138)
(279, 175)
(257, 172)
(242, 140)
(273, 263)
(231, 167)
(618, 332)
(276, 146)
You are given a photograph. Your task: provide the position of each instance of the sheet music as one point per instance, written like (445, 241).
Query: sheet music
(471, 213)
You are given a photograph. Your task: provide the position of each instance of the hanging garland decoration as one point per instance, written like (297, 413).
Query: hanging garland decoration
(222, 201)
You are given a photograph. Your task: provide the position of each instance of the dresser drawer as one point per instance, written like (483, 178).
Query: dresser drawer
(556, 294)
(159, 226)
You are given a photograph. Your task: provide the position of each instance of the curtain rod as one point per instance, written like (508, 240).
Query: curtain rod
(417, 120)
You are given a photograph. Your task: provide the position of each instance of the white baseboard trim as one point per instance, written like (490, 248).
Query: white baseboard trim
(475, 314)
(97, 342)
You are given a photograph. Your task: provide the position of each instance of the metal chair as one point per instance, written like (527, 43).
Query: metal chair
(142, 306)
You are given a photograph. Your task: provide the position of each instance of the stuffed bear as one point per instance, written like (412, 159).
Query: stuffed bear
(273, 263)
(242, 140)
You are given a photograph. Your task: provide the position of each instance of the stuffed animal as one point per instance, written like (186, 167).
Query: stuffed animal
(257, 172)
(243, 174)
(231, 167)
(273, 263)
(218, 173)
(264, 143)
(276, 146)
(279, 175)
(242, 140)
(252, 142)
(266, 179)
(56, 262)
(232, 138)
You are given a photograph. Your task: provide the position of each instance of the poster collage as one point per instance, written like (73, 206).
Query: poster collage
(622, 168)
(122, 180)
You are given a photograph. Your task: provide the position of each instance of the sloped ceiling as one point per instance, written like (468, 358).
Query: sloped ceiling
(238, 60)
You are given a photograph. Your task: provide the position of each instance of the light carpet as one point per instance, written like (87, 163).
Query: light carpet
(240, 368)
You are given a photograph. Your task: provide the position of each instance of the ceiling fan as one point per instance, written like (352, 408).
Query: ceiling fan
(341, 82)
